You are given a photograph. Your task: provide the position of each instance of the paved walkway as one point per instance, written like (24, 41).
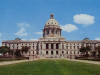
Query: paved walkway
(91, 62)
(12, 62)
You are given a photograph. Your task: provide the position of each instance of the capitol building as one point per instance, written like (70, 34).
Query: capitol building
(51, 44)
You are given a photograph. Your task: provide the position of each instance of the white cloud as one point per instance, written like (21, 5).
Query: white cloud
(21, 32)
(84, 19)
(23, 24)
(0, 34)
(97, 38)
(33, 39)
(38, 33)
(69, 28)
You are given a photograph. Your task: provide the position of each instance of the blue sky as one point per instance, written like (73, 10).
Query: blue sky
(26, 18)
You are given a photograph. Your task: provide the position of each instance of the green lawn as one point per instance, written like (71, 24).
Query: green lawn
(50, 67)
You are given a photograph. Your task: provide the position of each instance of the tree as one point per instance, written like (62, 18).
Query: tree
(17, 53)
(94, 53)
(85, 50)
(25, 49)
(98, 50)
(4, 50)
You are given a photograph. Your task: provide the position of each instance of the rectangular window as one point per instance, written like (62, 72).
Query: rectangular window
(41, 52)
(41, 47)
(77, 47)
(66, 47)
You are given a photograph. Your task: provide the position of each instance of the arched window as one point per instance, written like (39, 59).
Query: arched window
(56, 52)
(46, 52)
(51, 52)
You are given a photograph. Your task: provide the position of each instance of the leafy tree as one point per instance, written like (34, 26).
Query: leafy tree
(17, 53)
(25, 49)
(4, 50)
(85, 50)
(98, 50)
(94, 53)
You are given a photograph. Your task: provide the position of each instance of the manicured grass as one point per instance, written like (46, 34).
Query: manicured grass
(50, 67)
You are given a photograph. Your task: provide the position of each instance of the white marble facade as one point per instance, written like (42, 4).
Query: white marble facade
(52, 44)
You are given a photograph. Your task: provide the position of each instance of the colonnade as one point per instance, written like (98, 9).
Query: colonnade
(52, 31)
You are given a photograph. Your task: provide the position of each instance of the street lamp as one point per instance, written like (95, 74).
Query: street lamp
(13, 52)
(90, 50)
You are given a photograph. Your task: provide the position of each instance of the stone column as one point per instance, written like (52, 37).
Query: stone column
(34, 52)
(54, 52)
(49, 46)
(44, 46)
(49, 31)
(54, 46)
(49, 52)
(39, 46)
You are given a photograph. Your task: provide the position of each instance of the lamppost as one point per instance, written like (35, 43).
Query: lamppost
(13, 52)
(90, 51)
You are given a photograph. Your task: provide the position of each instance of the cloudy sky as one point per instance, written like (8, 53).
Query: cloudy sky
(26, 18)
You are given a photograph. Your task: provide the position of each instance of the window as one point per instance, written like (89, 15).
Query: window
(62, 52)
(41, 47)
(33, 52)
(51, 52)
(56, 52)
(56, 46)
(67, 52)
(74, 52)
(78, 52)
(56, 32)
(46, 46)
(51, 46)
(66, 47)
(77, 47)
(70, 52)
(46, 52)
(33, 47)
(74, 47)
(62, 46)
(5, 44)
(41, 52)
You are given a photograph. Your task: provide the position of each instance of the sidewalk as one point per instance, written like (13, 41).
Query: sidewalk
(12, 62)
(91, 62)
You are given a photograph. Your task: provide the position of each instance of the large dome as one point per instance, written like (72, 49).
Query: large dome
(52, 22)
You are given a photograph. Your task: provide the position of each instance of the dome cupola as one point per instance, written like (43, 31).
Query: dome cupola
(52, 28)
